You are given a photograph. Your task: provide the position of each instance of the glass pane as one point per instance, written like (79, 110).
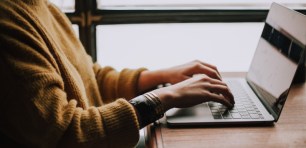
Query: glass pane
(230, 46)
(65, 5)
(76, 29)
(197, 4)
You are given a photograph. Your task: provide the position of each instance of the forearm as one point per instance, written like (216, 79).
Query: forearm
(150, 79)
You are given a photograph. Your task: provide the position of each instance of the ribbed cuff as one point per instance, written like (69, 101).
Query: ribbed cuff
(120, 123)
(128, 83)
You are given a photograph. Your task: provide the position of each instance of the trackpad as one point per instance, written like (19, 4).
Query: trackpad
(197, 113)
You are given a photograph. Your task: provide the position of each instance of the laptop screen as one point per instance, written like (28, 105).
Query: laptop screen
(274, 65)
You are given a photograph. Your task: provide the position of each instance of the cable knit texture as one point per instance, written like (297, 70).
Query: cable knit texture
(51, 93)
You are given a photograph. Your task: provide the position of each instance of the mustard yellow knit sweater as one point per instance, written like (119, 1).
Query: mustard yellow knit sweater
(51, 93)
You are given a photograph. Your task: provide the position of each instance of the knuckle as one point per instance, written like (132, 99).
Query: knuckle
(207, 85)
(197, 65)
(225, 88)
(205, 78)
(196, 61)
(214, 73)
(209, 95)
(214, 67)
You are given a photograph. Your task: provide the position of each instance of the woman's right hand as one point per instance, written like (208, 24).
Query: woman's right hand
(193, 91)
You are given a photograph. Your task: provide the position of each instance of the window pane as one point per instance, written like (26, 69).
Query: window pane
(230, 46)
(76, 29)
(197, 4)
(65, 5)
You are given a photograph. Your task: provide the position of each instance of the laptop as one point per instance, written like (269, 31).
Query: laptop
(261, 95)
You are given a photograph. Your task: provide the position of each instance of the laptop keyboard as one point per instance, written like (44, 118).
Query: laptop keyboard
(244, 107)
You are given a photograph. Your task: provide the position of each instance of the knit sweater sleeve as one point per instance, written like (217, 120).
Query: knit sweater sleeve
(36, 109)
(113, 84)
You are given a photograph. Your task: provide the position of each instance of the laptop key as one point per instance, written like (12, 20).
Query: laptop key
(244, 113)
(252, 112)
(246, 117)
(240, 107)
(248, 106)
(226, 115)
(254, 116)
(217, 116)
(242, 110)
(233, 111)
(250, 109)
(222, 110)
(236, 116)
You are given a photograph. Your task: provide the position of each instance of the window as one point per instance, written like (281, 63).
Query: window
(76, 29)
(159, 33)
(86, 15)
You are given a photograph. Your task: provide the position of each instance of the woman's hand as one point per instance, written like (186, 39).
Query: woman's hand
(150, 79)
(182, 72)
(195, 90)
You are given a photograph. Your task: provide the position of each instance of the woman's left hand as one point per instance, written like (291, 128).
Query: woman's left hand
(182, 72)
(173, 75)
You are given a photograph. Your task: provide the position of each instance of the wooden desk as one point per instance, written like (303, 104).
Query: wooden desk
(289, 131)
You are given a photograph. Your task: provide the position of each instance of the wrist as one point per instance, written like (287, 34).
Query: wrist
(148, 108)
(166, 97)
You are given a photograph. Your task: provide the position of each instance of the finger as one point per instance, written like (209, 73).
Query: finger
(215, 81)
(208, 71)
(226, 89)
(205, 78)
(223, 90)
(208, 79)
(220, 99)
(211, 66)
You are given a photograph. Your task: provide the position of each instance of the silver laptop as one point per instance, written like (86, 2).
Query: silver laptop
(260, 96)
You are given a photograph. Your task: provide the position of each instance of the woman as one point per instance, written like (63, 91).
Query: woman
(52, 95)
